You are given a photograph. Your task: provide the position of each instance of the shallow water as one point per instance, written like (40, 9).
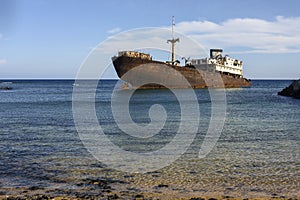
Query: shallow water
(258, 153)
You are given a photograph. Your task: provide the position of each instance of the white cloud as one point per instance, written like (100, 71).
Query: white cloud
(239, 35)
(3, 61)
(247, 35)
(114, 30)
(149, 38)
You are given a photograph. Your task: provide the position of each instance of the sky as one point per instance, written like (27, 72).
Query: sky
(52, 38)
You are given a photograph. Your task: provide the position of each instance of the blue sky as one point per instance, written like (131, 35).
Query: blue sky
(51, 38)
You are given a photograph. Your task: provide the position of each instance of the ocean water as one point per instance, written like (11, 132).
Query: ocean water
(257, 154)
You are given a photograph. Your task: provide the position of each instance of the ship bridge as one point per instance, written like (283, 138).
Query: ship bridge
(217, 62)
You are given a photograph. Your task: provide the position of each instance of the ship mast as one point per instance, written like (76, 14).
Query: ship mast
(173, 41)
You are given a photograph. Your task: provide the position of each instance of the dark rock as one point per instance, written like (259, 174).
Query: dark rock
(292, 90)
(40, 197)
(128, 176)
(274, 195)
(139, 196)
(212, 199)
(118, 181)
(155, 175)
(36, 188)
(98, 165)
(162, 186)
(107, 191)
(114, 196)
(197, 198)
(80, 184)
(255, 190)
(6, 88)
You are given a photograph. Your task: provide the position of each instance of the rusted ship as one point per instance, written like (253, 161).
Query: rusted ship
(217, 71)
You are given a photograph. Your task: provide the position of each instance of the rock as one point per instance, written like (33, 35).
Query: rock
(197, 198)
(40, 197)
(36, 188)
(292, 90)
(161, 186)
(98, 165)
(114, 196)
(139, 196)
(228, 197)
(6, 88)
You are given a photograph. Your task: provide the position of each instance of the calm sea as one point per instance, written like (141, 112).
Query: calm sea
(258, 152)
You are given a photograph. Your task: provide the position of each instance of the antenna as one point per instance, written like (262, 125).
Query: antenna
(173, 41)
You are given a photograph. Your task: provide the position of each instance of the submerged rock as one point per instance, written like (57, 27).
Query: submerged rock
(5, 88)
(161, 186)
(292, 90)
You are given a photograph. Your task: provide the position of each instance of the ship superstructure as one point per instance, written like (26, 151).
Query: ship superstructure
(218, 62)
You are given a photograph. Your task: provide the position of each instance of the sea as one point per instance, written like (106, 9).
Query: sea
(256, 154)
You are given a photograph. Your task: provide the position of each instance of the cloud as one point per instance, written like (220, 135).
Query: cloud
(114, 30)
(149, 38)
(3, 61)
(235, 36)
(246, 35)
(238, 35)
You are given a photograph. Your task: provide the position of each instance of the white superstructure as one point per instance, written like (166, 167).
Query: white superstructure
(217, 62)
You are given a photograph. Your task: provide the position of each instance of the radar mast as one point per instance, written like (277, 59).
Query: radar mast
(173, 41)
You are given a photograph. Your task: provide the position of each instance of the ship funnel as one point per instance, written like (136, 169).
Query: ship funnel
(215, 52)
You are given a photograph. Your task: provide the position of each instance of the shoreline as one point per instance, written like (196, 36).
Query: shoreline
(104, 189)
(137, 196)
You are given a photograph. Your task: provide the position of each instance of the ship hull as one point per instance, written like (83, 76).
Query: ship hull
(150, 74)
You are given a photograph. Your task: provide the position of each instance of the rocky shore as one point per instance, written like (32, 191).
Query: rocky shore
(133, 197)
(292, 90)
(107, 189)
